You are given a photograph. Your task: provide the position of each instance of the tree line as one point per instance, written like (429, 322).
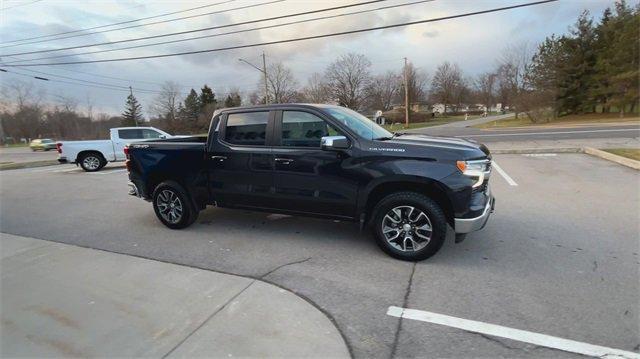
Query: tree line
(592, 68)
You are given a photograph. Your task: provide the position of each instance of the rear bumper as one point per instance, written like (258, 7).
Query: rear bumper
(468, 225)
(137, 191)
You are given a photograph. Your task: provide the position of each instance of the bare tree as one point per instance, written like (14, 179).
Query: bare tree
(281, 83)
(383, 90)
(165, 104)
(485, 85)
(512, 71)
(348, 78)
(317, 89)
(417, 82)
(447, 84)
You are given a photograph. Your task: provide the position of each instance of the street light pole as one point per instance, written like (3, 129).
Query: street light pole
(264, 72)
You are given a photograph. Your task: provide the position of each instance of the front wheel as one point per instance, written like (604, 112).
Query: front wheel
(173, 205)
(409, 226)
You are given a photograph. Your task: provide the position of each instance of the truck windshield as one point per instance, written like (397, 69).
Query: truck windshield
(358, 123)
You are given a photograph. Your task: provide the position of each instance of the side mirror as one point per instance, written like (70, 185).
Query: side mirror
(334, 143)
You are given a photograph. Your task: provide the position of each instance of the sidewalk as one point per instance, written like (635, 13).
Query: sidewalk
(62, 300)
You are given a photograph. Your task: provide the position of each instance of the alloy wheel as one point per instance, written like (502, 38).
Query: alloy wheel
(407, 228)
(169, 206)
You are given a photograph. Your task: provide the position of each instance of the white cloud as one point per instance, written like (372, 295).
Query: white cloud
(474, 42)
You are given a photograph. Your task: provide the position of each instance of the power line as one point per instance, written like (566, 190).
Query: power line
(19, 5)
(114, 24)
(312, 37)
(201, 29)
(231, 32)
(152, 23)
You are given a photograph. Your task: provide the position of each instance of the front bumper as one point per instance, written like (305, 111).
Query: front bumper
(467, 225)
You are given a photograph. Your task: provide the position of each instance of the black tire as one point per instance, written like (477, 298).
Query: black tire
(92, 161)
(402, 202)
(188, 213)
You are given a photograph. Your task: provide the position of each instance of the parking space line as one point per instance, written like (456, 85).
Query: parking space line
(512, 333)
(504, 174)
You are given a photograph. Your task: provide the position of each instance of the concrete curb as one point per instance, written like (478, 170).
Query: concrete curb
(20, 165)
(613, 158)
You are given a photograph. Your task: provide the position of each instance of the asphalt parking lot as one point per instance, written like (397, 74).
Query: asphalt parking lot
(558, 257)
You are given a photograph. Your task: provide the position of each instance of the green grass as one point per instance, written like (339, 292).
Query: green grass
(593, 118)
(632, 153)
(435, 122)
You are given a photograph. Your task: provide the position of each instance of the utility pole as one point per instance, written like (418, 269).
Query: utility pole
(135, 119)
(406, 95)
(264, 72)
(266, 86)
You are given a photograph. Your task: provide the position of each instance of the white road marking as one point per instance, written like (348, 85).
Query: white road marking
(512, 333)
(504, 174)
(540, 154)
(549, 133)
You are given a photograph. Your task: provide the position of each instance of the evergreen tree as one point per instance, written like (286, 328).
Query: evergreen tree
(132, 114)
(545, 76)
(192, 106)
(233, 100)
(578, 67)
(207, 97)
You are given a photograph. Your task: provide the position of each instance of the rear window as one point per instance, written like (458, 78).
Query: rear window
(248, 128)
(138, 133)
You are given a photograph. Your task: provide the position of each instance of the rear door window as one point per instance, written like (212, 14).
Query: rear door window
(249, 128)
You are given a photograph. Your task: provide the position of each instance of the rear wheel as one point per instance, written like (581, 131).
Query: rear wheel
(91, 162)
(409, 226)
(173, 205)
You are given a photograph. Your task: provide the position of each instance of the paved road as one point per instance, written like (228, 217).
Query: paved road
(559, 256)
(538, 133)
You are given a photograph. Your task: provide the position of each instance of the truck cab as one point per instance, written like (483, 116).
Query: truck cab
(322, 161)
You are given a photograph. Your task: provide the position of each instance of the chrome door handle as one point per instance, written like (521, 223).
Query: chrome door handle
(284, 161)
(219, 158)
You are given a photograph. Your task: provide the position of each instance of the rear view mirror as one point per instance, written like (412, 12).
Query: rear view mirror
(334, 143)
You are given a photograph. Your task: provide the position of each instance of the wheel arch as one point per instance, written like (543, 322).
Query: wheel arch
(86, 152)
(428, 187)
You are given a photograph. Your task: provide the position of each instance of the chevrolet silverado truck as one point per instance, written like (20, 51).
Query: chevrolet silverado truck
(93, 155)
(322, 161)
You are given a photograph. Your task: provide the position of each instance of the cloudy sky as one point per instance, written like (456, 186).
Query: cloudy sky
(475, 43)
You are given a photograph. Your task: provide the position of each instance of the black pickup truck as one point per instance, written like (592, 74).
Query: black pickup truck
(323, 161)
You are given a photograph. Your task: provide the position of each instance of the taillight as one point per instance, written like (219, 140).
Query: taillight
(126, 151)
(59, 147)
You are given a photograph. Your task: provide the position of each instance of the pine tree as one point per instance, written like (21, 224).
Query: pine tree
(192, 106)
(132, 114)
(207, 97)
(233, 100)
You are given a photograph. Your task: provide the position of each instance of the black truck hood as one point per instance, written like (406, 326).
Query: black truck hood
(469, 148)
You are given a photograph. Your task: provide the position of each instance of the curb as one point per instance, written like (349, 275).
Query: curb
(20, 165)
(613, 158)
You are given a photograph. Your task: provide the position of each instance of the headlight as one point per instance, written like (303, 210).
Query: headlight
(478, 169)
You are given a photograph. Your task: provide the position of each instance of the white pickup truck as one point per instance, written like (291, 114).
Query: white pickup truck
(93, 155)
